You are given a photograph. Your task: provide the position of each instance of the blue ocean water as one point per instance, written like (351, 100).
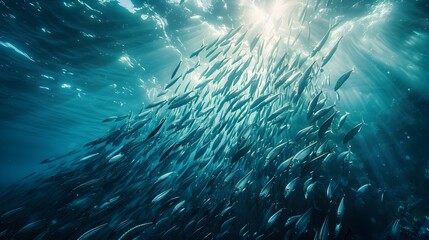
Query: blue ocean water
(68, 65)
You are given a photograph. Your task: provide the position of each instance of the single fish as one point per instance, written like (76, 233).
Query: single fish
(303, 82)
(115, 118)
(88, 157)
(291, 187)
(328, 57)
(312, 105)
(155, 130)
(265, 192)
(240, 186)
(11, 212)
(322, 112)
(161, 196)
(88, 234)
(152, 105)
(364, 188)
(340, 210)
(176, 69)
(324, 230)
(133, 229)
(396, 228)
(167, 152)
(172, 82)
(274, 218)
(331, 188)
(240, 153)
(342, 80)
(31, 227)
(342, 120)
(302, 223)
(178, 206)
(164, 177)
(254, 42)
(352, 132)
(292, 220)
(325, 125)
(275, 152)
(321, 43)
(196, 52)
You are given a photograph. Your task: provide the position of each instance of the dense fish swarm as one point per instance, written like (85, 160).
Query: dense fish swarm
(245, 143)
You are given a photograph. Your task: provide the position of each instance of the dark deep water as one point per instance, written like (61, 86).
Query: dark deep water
(68, 65)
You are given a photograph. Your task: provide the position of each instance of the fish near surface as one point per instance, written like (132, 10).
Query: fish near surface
(176, 69)
(328, 57)
(197, 52)
(320, 44)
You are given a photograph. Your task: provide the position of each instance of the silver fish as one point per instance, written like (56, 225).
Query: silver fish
(130, 231)
(290, 187)
(342, 120)
(352, 132)
(176, 69)
(302, 223)
(88, 234)
(328, 57)
(325, 125)
(342, 80)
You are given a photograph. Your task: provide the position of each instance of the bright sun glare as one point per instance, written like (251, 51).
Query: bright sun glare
(268, 19)
(267, 15)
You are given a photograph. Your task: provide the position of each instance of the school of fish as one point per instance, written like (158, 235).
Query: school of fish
(244, 142)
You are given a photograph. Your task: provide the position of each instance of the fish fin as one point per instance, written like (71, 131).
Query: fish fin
(363, 122)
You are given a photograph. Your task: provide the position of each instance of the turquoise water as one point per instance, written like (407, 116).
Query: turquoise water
(67, 66)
